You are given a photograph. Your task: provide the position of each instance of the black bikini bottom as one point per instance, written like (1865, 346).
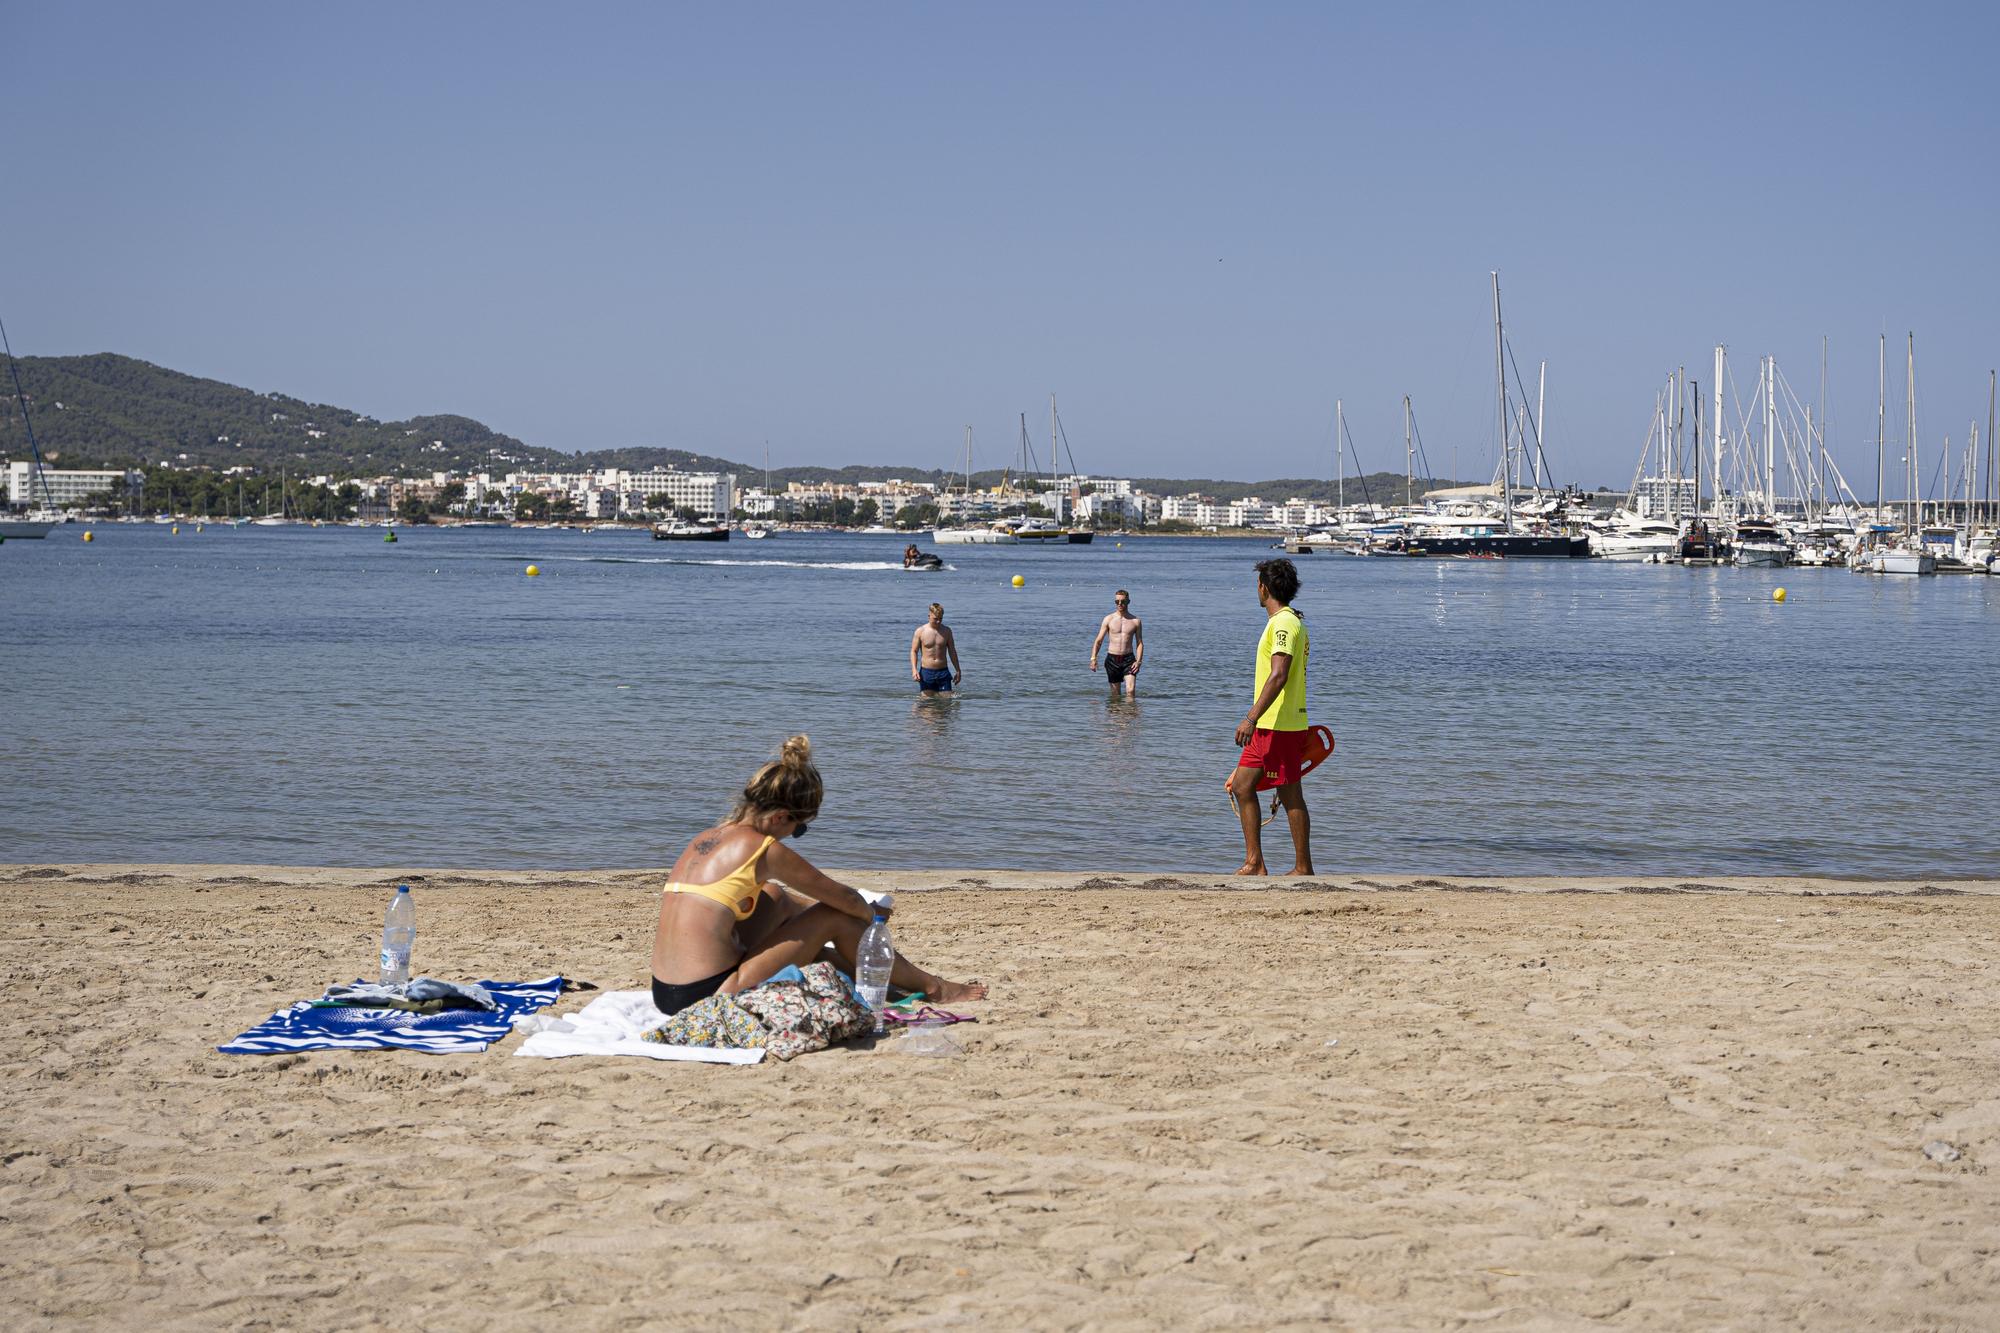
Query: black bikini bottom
(672, 997)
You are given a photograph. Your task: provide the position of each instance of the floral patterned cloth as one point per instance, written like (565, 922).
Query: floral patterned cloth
(809, 1014)
(715, 1021)
(786, 1018)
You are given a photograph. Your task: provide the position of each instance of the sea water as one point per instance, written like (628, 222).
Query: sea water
(316, 696)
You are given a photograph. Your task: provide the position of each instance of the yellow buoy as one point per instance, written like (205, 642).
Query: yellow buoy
(1020, 582)
(1119, 545)
(534, 571)
(1777, 594)
(90, 536)
(197, 529)
(176, 530)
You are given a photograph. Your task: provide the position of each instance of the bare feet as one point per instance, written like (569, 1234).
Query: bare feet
(1252, 868)
(1305, 869)
(951, 992)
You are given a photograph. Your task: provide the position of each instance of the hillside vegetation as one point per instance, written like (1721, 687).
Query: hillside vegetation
(114, 410)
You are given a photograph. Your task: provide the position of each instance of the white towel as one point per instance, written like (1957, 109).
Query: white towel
(611, 1024)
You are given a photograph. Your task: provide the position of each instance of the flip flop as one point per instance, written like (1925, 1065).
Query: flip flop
(927, 1014)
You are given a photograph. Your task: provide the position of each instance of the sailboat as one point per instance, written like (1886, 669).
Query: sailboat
(968, 534)
(1495, 535)
(37, 522)
(1907, 556)
(757, 532)
(280, 518)
(1048, 530)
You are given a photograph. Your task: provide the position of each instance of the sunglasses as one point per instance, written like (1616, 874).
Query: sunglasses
(799, 826)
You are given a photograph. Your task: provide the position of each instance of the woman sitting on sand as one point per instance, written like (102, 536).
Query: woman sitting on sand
(724, 927)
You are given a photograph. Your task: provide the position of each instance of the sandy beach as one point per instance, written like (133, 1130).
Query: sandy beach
(1374, 1102)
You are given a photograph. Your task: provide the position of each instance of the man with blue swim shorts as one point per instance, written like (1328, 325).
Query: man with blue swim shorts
(930, 646)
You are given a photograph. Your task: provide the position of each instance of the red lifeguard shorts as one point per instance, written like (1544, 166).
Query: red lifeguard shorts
(1281, 754)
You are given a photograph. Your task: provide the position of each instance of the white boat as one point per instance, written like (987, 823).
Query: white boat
(755, 534)
(1036, 530)
(36, 523)
(681, 531)
(1634, 539)
(1900, 560)
(1760, 545)
(972, 536)
(879, 530)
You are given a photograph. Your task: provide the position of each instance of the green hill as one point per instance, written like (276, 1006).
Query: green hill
(116, 411)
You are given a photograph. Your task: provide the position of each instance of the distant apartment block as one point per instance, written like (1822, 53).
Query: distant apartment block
(65, 487)
(707, 493)
(1654, 493)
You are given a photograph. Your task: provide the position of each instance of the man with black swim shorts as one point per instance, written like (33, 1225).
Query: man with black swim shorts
(1127, 648)
(930, 646)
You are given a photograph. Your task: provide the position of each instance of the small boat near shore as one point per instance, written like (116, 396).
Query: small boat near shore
(683, 531)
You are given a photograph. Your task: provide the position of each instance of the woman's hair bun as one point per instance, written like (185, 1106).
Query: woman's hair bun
(789, 783)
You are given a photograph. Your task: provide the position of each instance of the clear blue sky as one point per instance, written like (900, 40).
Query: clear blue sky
(851, 230)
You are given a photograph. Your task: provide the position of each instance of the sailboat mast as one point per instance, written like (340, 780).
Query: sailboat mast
(1677, 382)
(1992, 484)
(1819, 458)
(1541, 421)
(1715, 428)
(1910, 393)
(1881, 418)
(1697, 445)
(1339, 460)
(1409, 460)
(1770, 433)
(1500, 379)
(1054, 432)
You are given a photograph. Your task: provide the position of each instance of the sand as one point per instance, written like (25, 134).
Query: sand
(1372, 1103)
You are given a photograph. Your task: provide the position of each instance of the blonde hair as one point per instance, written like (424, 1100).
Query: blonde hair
(789, 783)
(937, 608)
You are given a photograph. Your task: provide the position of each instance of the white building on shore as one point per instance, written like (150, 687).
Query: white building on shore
(66, 487)
(707, 493)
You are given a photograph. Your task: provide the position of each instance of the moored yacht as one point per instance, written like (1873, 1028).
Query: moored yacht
(971, 535)
(1631, 538)
(683, 531)
(1760, 544)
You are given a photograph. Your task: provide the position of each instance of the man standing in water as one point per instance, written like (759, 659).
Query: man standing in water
(1127, 648)
(929, 647)
(1273, 734)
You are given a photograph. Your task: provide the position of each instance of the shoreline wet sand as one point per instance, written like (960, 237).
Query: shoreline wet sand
(1376, 1101)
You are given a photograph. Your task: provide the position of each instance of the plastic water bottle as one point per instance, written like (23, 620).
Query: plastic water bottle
(872, 963)
(399, 936)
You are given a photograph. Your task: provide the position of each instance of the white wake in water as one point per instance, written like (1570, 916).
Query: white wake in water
(866, 565)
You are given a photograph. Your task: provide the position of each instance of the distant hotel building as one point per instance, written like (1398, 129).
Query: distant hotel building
(707, 493)
(1653, 494)
(65, 487)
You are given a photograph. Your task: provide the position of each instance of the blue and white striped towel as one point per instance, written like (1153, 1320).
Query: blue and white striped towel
(303, 1027)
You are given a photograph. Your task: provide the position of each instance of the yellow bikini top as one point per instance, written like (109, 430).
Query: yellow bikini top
(736, 890)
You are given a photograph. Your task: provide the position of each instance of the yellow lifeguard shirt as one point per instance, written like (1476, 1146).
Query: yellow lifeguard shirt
(1283, 633)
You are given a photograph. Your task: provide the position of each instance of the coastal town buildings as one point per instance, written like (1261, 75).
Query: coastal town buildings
(619, 493)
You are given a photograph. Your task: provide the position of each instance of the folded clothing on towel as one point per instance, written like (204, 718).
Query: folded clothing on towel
(423, 990)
